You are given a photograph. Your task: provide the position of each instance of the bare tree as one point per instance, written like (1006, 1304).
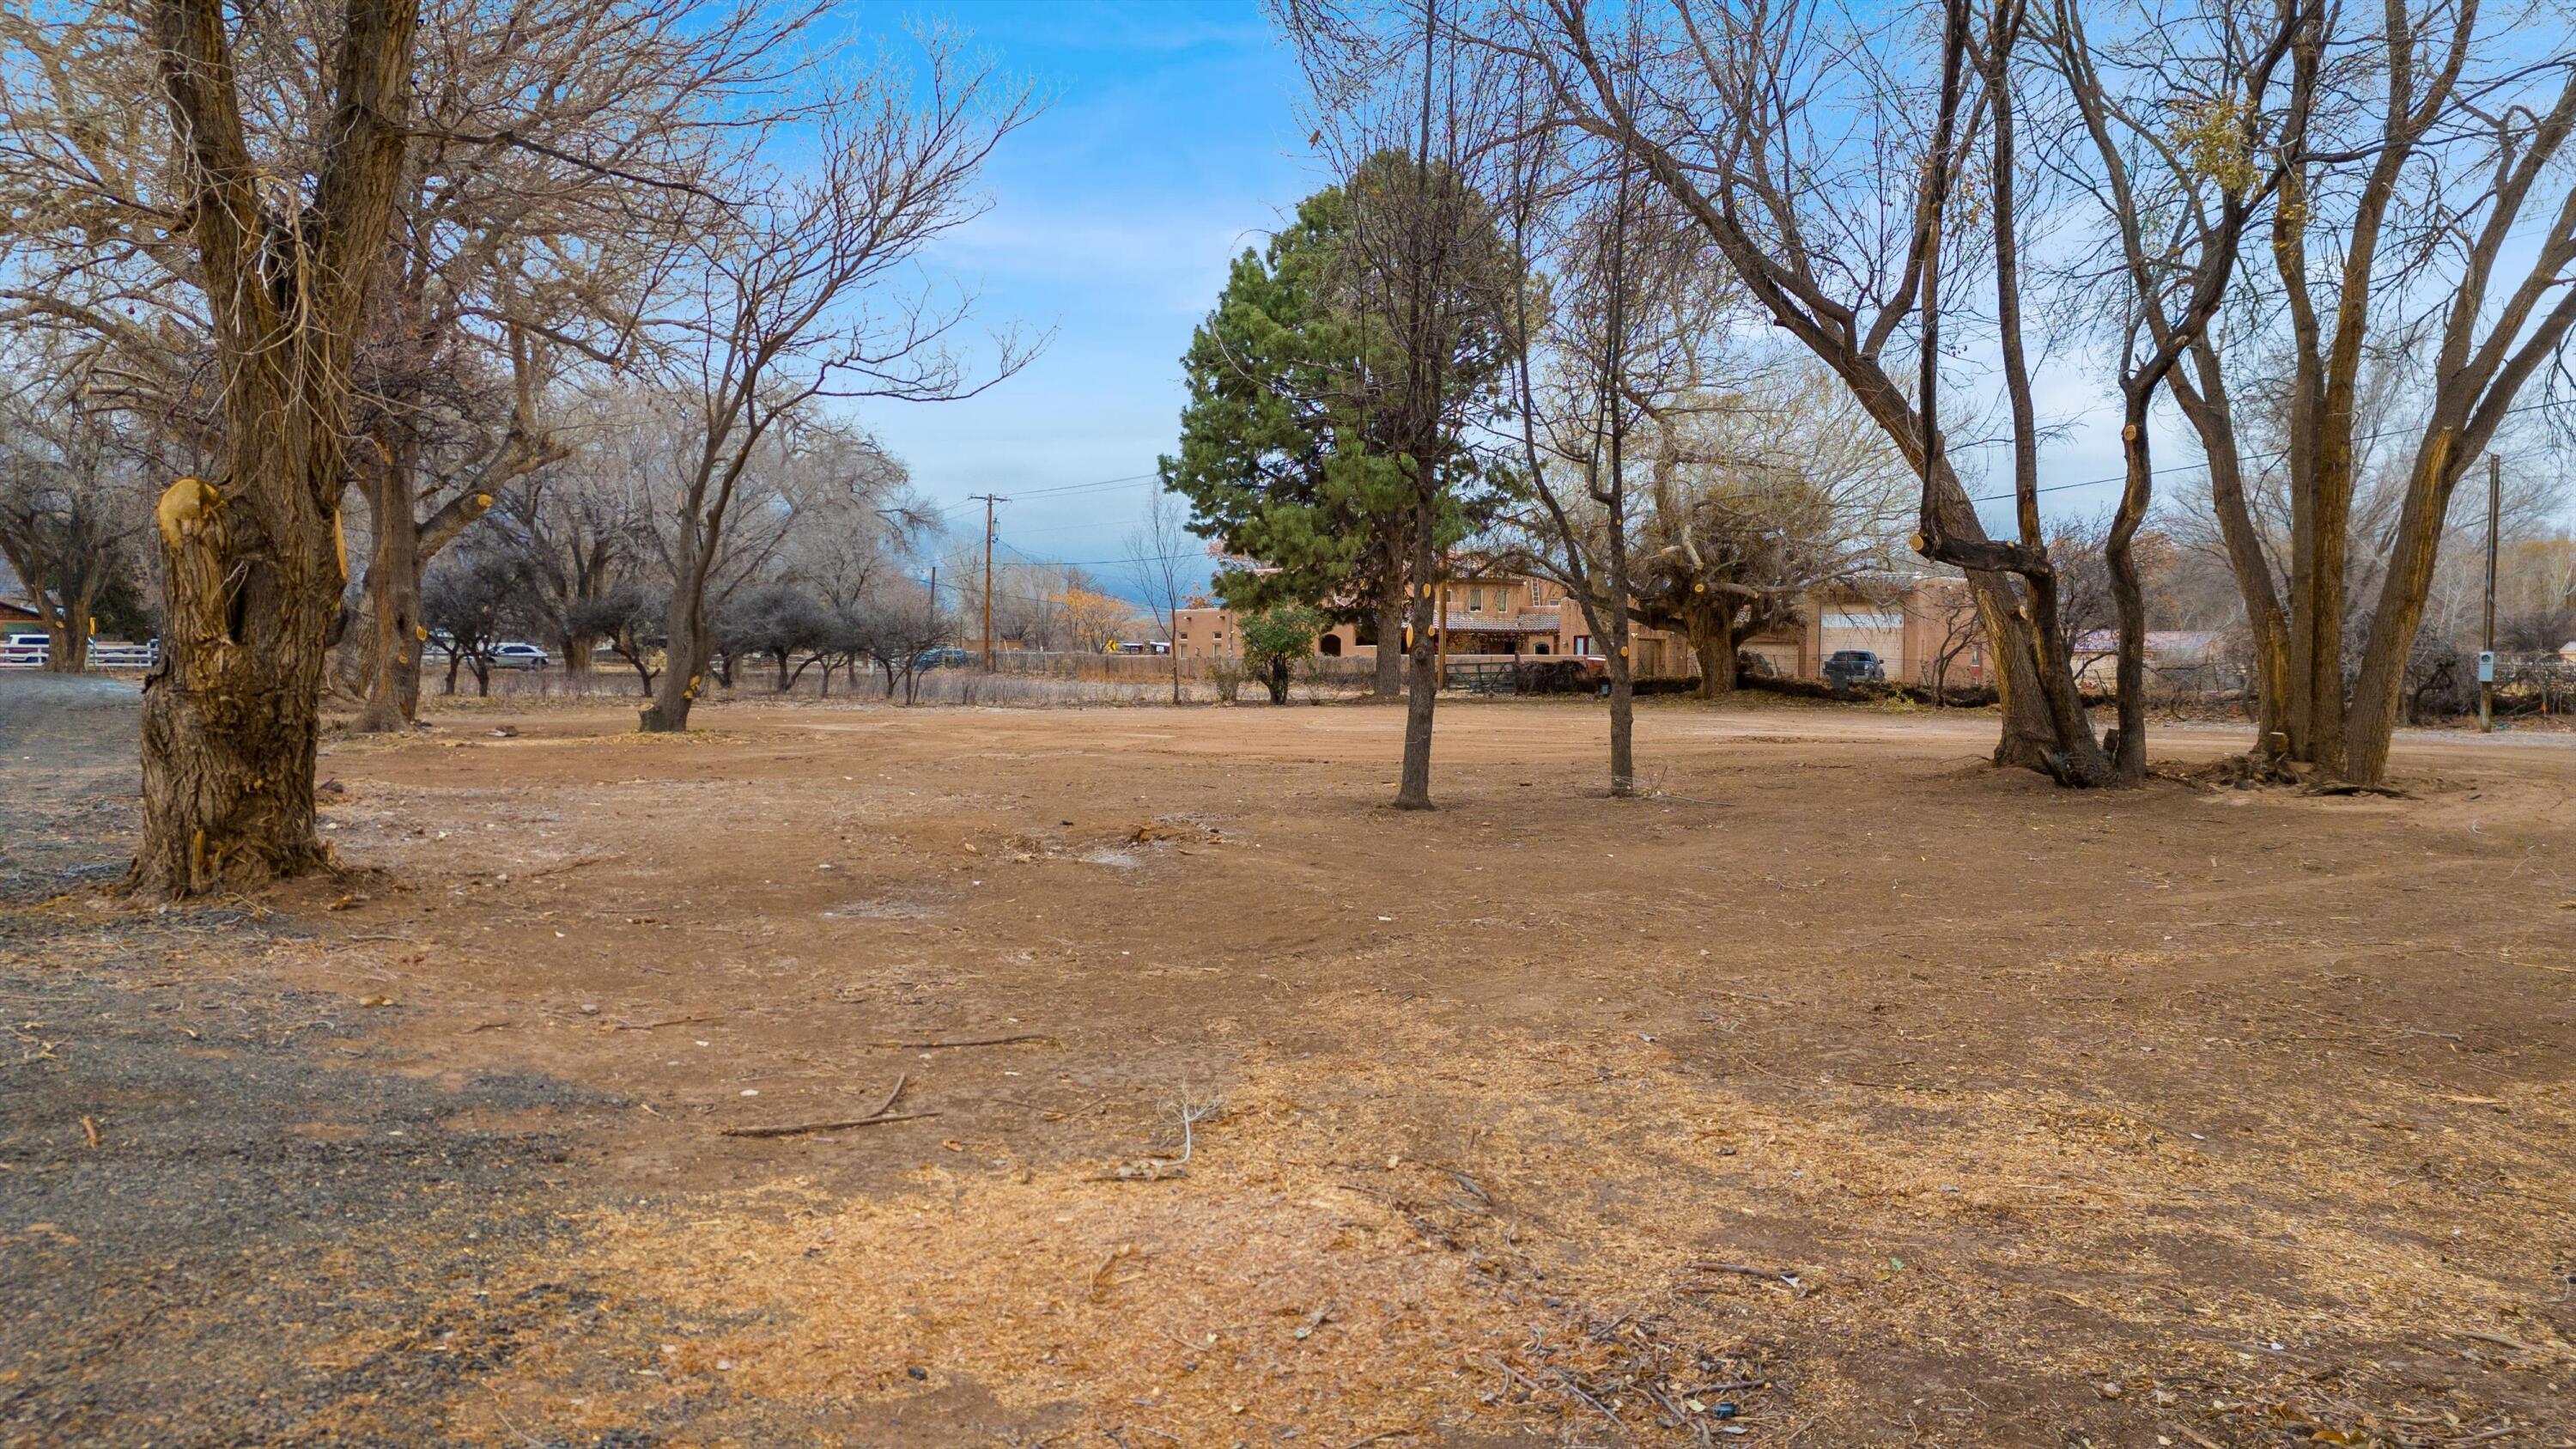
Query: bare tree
(1821, 183)
(564, 147)
(801, 297)
(2430, 220)
(69, 512)
(281, 255)
(1760, 495)
(1623, 347)
(1156, 552)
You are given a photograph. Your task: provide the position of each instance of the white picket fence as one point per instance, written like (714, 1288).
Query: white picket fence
(102, 655)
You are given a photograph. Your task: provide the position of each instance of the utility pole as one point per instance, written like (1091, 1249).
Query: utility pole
(2486, 644)
(988, 499)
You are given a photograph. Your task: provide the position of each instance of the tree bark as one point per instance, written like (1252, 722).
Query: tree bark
(254, 561)
(1714, 644)
(392, 643)
(1422, 665)
(2202, 394)
(1389, 681)
(685, 650)
(67, 632)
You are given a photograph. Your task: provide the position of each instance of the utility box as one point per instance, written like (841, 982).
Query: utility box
(2486, 666)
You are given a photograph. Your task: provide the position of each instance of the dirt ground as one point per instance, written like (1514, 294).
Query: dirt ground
(1842, 1092)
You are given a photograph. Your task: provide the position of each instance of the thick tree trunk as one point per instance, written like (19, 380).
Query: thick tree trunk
(390, 650)
(1712, 642)
(255, 563)
(67, 634)
(231, 714)
(2030, 733)
(2371, 724)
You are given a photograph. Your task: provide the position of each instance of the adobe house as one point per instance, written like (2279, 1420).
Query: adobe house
(1910, 622)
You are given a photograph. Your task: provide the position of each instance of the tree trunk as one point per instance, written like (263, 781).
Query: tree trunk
(683, 670)
(1623, 665)
(1623, 720)
(2372, 723)
(684, 631)
(2203, 396)
(1389, 680)
(1422, 687)
(67, 630)
(255, 563)
(390, 651)
(1712, 641)
(231, 714)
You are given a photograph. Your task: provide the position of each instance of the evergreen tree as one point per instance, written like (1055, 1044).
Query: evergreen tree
(1297, 442)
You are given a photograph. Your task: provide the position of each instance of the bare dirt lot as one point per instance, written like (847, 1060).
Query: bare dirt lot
(1845, 1092)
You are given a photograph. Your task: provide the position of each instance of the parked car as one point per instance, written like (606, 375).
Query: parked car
(520, 656)
(946, 658)
(1847, 667)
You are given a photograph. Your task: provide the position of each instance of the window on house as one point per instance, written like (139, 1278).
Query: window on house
(1582, 643)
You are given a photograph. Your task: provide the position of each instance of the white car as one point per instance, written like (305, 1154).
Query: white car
(25, 650)
(519, 656)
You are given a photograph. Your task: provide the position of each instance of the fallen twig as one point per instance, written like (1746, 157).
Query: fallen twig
(883, 1112)
(1749, 1271)
(975, 1041)
(2498, 1339)
(798, 1129)
(622, 1024)
(560, 867)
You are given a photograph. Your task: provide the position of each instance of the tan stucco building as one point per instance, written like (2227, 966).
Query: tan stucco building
(1909, 622)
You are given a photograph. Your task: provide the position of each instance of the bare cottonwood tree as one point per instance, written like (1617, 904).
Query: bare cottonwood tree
(563, 150)
(69, 509)
(2191, 136)
(283, 232)
(802, 296)
(1820, 178)
(1158, 552)
(2430, 219)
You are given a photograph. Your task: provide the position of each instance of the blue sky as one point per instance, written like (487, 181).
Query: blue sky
(1172, 142)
